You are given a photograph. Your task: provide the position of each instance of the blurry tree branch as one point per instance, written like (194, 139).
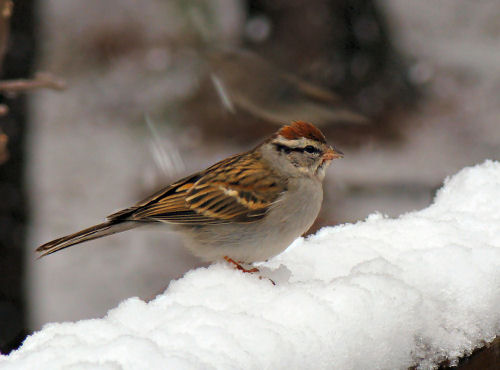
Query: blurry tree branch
(41, 80)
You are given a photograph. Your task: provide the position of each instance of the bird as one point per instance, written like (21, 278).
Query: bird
(271, 94)
(244, 209)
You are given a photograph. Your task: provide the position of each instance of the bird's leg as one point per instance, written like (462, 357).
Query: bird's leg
(239, 267)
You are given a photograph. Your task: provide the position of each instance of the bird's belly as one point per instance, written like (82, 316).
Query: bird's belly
(289, 218)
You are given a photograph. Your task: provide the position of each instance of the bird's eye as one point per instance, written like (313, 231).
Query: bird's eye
(311, 149)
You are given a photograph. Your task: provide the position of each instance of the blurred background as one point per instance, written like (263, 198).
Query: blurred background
(134, 95)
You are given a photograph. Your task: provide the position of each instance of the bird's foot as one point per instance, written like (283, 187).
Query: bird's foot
(237, 264)
(240, 267)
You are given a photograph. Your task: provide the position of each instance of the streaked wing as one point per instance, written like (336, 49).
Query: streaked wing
(242, 193)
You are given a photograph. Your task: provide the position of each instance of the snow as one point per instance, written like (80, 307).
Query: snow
(379, 294)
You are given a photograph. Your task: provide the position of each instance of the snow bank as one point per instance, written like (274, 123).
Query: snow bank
(379, 294)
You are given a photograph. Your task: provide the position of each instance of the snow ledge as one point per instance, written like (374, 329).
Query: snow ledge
(382, 293)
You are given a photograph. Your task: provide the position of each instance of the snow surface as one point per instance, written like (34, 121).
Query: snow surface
(379, 294)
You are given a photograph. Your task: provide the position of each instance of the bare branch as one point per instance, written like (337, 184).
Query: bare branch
(41, 80)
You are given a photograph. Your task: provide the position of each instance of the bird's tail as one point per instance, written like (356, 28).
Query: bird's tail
(93, 232)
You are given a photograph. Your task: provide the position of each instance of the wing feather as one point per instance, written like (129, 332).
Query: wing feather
(244, 193)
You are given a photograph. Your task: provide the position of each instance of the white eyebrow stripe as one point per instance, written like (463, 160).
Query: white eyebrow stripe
(295, 143)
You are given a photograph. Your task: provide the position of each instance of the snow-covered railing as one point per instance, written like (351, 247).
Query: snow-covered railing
(379, 294)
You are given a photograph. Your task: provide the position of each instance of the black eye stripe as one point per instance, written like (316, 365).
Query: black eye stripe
(309, 149)
(283, 148)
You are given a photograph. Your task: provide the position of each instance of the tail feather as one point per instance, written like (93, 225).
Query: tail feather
(93, 232)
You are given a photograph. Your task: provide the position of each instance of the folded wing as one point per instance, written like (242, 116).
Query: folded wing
(238, 189)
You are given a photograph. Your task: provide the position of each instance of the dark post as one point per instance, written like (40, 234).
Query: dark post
(18, 63)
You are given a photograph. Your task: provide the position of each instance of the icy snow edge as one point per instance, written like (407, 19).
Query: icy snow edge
(378, 294)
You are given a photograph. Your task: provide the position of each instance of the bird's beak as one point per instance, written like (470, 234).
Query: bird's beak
(332, 153)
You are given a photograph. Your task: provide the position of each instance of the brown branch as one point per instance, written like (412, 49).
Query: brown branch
(41, 80)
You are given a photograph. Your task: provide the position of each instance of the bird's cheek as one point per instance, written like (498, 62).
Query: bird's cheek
(320, 171)
(325, 162)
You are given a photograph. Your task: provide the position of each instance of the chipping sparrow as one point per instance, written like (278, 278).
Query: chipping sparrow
(271, 94)
(246, 208)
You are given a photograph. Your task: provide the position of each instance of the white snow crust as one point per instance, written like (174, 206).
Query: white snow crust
(379, 294)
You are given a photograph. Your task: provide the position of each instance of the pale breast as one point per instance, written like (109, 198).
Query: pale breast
(291, 216)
